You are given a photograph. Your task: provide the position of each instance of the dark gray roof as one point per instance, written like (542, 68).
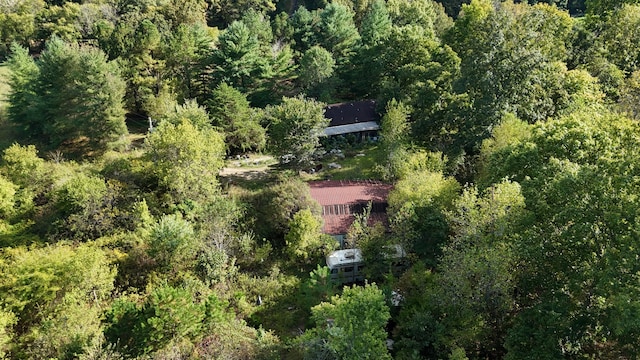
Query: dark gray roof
(351, 112)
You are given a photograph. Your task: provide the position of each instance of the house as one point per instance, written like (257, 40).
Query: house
(358, 118)
(340, 200)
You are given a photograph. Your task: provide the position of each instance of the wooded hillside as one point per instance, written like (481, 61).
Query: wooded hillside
(155, 155)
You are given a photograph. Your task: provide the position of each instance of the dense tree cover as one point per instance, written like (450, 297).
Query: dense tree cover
(230, 111)
(509, 131)
(351, 326)
(70, 94)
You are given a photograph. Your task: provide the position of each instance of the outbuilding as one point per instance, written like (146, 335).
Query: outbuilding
(358, 118)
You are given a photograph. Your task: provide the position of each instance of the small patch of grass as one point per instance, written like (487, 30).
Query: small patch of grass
(253, 172)
(250, 161)
(4, 84)
(357, 164)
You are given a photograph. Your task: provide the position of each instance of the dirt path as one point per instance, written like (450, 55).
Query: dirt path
(249, 169)
(244, 172)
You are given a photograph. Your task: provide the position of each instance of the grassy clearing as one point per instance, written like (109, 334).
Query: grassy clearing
(357, 164)
(252, 173)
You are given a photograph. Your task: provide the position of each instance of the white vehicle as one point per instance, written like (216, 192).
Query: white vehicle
(347, 266)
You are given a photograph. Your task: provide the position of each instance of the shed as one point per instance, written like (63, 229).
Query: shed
(358, 117)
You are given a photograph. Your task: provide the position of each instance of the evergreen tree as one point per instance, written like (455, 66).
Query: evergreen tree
(73, 95)
(24, 75)
(230, 111)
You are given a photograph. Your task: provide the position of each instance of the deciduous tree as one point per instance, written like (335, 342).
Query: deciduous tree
(350, 327)
(305, 238)
(186, 160)
(294, 128)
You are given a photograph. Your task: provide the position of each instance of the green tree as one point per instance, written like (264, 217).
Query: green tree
(338, 33)
(417, 206)
(238, 59)
(189, 112)
(280, 203)
(186, 160)
(171, 314)
(619, 38)
(224, 12)
(24, 75)
(376, 23)
(394, 136)
(186, 51)
(246, 59)
(77, 95)
(316, 69)
(7, 197)
(379, 252)
(351, 326)
(85, 207)
(367, 64)
(7, 320)
(510, 132)
(422, 13)
(57, 294)
(18, 23)
(419, 72)
(304, 238)
(599, 8)
(630, 96)
(581, 229)
(317, 288)
(173, 243)
(231, 112)
(294, 129)
(168, 314)
(23, 167)
(305, 26)
(59, 21)
(179, 13)
(519, 69)
(465, 306)
(140, 39)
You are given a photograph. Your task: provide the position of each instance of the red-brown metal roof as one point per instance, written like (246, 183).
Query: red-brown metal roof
(340, 192)
(336, 192)
(339, 224)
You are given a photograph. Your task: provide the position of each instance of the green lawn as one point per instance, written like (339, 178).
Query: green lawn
(359, 163)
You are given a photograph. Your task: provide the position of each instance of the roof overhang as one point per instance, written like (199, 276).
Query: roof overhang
(351, 128)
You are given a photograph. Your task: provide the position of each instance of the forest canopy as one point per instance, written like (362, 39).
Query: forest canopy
(508, 134)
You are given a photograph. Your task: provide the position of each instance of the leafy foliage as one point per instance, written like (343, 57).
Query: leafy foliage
(304, 238)
(350, 326)
(510, 141)
(43, 286)
(168, 314)
(294, 129)
(186, 159)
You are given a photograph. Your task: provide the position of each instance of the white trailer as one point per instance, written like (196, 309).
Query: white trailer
(347, 266)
